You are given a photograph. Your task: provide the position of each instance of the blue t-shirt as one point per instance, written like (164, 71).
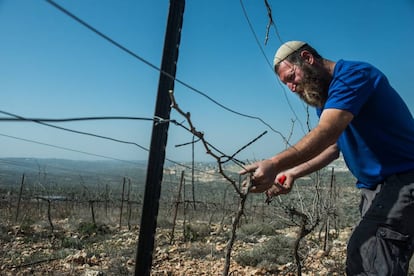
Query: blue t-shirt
(379, 141)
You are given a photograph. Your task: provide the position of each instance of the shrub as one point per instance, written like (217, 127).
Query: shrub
(69, 242)
(89, 228)
(4, 234)
(196, 231)
(257, 229)
(201, 251)
(277, 250)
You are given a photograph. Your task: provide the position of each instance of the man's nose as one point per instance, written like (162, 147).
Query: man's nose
(291, 86)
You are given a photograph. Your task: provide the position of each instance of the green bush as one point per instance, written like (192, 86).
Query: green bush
(4, 234)
(89, 228)
(277, 250)
(69, 242)
(164, 223)
(202, 250)
(257, 229)
(196, 231)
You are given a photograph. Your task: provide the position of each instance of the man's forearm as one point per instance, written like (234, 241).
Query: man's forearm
(323, 159)
(326, 133)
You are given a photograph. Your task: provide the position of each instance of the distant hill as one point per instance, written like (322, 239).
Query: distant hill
(65, 170)
(59, 165)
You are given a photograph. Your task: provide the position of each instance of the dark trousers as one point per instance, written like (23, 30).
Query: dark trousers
(383, 241)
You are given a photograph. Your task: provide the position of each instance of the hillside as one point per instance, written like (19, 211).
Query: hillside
(83, 217)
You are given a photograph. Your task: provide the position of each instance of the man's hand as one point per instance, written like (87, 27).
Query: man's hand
(264, 174)
(283, 185)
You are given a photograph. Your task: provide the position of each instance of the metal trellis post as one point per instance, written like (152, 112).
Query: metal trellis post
(159, 139)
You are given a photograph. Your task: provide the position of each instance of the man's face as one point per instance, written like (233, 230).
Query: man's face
(310, 82)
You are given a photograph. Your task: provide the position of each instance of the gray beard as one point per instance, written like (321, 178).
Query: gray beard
(312, 98)
(315, 86)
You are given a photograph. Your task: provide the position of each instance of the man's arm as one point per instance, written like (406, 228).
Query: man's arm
(325, 158)
(331, 124)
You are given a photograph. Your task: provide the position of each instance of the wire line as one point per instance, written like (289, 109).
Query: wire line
(123, 48)
(64, 148)
(56, 120)
(40, 121)
(267, 60)
(93, 154)
(76, 131)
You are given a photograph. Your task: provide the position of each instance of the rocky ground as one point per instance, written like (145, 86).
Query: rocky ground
(36, 251)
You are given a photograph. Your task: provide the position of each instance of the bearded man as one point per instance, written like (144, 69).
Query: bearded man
(363, 117)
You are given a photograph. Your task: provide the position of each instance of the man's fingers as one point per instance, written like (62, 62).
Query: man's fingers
(244, 171)
(276, 190)
(248, 169)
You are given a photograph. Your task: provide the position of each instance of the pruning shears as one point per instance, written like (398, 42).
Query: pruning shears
(280, 180)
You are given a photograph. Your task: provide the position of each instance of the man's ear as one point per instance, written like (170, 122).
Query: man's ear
(307, 57)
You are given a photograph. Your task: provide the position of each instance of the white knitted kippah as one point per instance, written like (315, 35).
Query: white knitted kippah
(285, 50)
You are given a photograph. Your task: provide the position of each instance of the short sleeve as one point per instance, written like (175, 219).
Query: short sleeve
(351, 87)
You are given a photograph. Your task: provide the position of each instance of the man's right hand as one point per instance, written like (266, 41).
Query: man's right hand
(263, 175)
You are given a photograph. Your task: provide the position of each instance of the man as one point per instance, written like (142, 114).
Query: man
(363, 117)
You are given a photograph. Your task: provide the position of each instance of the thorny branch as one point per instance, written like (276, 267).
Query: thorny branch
(241, 191)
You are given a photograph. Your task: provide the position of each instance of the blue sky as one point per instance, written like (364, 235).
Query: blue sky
(53, 67)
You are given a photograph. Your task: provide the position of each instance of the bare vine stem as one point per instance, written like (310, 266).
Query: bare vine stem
(221, 159)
